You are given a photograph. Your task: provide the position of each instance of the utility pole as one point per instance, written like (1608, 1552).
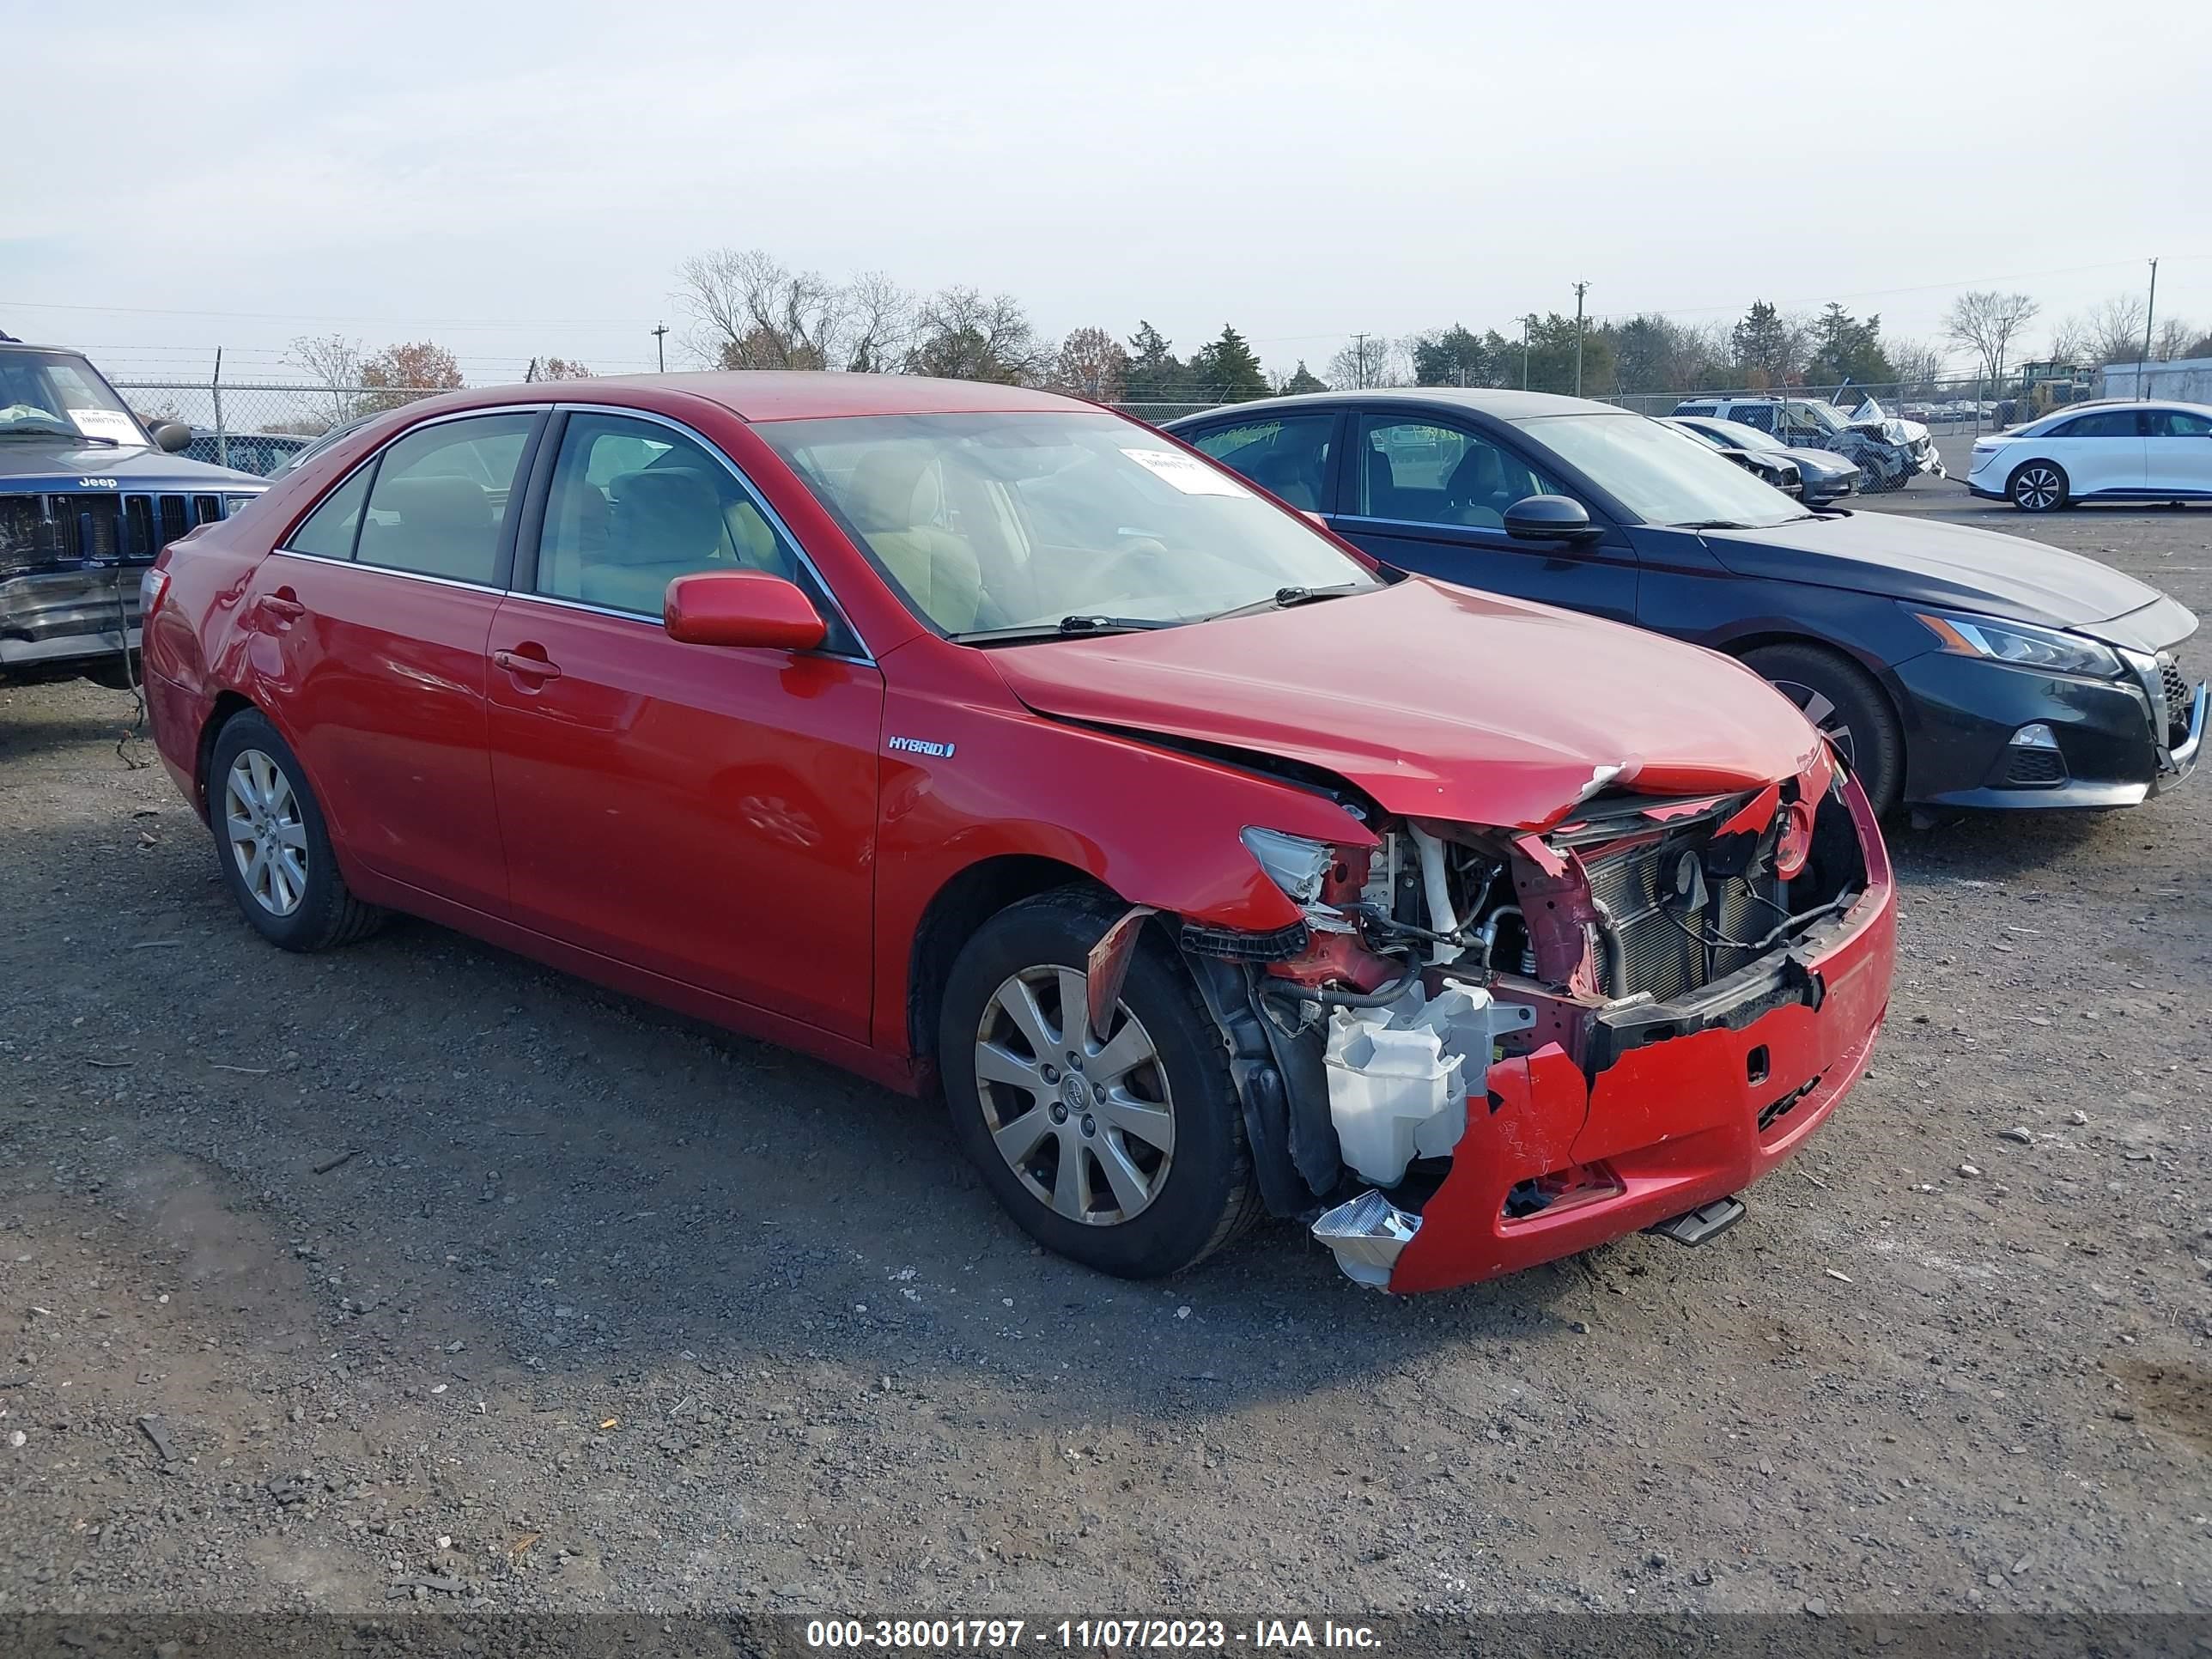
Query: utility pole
(659, 348)
(1580, 288)
(1526, 323)
(221, 431)
(2142, 380)
(1359, 360)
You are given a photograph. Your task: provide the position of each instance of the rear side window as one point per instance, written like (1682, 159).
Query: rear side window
(329, 530)
(2179, 423)
(441, 496)
(2110, 423)
(1758, 417)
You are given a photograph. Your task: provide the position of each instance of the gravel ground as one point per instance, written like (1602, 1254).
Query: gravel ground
(415, 1274)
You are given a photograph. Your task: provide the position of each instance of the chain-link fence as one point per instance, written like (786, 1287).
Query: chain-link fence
(255, 428)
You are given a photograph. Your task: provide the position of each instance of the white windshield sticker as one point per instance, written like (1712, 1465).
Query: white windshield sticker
(1187, 472)
(106, 423)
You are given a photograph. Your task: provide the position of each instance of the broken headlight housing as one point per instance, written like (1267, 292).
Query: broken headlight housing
(2021, 644)
(1297, 865)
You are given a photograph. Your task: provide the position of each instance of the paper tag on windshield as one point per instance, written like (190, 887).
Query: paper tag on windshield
(1187, 472)
(107, 423)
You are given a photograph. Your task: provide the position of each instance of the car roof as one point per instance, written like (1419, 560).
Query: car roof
(1499, 405)
(774, 395)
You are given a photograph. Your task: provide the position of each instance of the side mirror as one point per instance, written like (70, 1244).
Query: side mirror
(1549, 518)
(741, 607)
(171, 435)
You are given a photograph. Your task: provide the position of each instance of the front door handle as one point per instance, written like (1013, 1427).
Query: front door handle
(526, 666)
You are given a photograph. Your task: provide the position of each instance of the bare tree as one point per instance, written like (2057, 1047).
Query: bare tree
(2114, 330)
(1370, 359)
(1919, 363)
(1092, 362)
(2175, 338)
(962, 336)
(1985, 322)
(333, 362)
(879, 324)
(2069, 341)
(562, 369)
(748, 311)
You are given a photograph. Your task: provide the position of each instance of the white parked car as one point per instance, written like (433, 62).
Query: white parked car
(2103, 451)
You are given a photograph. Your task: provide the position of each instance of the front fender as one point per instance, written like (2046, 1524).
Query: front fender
(962, 781)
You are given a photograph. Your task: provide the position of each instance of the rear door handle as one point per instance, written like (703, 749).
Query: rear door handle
(529, 667)
(283, 604)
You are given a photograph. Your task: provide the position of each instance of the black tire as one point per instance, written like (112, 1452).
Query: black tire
(2039, 487)
(1844, 700)
(324, 912)
(1204, 1195)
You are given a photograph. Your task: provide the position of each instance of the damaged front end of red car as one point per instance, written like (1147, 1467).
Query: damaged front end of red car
(1485, 1048)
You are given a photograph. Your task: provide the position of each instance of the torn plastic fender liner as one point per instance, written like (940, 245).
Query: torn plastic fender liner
(1280, 1087)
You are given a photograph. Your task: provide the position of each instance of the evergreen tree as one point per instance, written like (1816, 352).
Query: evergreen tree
(1845, 349)
(1154, 373)
(1452, 357)
(1227, 370)
(1304, 380)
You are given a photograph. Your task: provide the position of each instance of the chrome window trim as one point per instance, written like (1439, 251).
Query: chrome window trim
(775, 520)
(388, 570)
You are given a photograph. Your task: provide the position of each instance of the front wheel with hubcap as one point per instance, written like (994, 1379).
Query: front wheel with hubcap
(1843, 700)
(2038, 487)
(272, 843)
(1122, 1149)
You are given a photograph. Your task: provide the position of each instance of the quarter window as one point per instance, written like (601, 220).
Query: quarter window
(329, 529)
(1288, 457)
(1424, 473)
(441, 495)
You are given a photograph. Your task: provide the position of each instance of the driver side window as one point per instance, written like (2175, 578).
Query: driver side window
(1419, 472)
(632, 504)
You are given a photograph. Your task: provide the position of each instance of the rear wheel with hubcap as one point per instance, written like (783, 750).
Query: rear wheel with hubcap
(272, 844)
(1125, 1151)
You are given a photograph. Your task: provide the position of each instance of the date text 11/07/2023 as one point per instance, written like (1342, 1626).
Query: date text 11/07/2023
(984, 1635)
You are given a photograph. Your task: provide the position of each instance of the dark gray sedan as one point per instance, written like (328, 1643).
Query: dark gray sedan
(1824, 475)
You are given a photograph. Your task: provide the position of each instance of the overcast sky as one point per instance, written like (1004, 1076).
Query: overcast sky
(525, 181)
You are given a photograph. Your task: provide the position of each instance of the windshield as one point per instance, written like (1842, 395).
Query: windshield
(985, 523)
(1656, 475)
(57, 394)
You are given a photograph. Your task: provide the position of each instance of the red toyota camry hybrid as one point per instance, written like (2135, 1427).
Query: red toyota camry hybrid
(981, 740)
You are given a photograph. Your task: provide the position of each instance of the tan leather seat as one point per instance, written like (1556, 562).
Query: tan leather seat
(889, 497)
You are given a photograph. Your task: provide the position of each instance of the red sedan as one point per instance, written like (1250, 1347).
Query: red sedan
(988, 742)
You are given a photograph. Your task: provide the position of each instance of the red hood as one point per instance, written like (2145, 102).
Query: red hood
(1437, 702)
